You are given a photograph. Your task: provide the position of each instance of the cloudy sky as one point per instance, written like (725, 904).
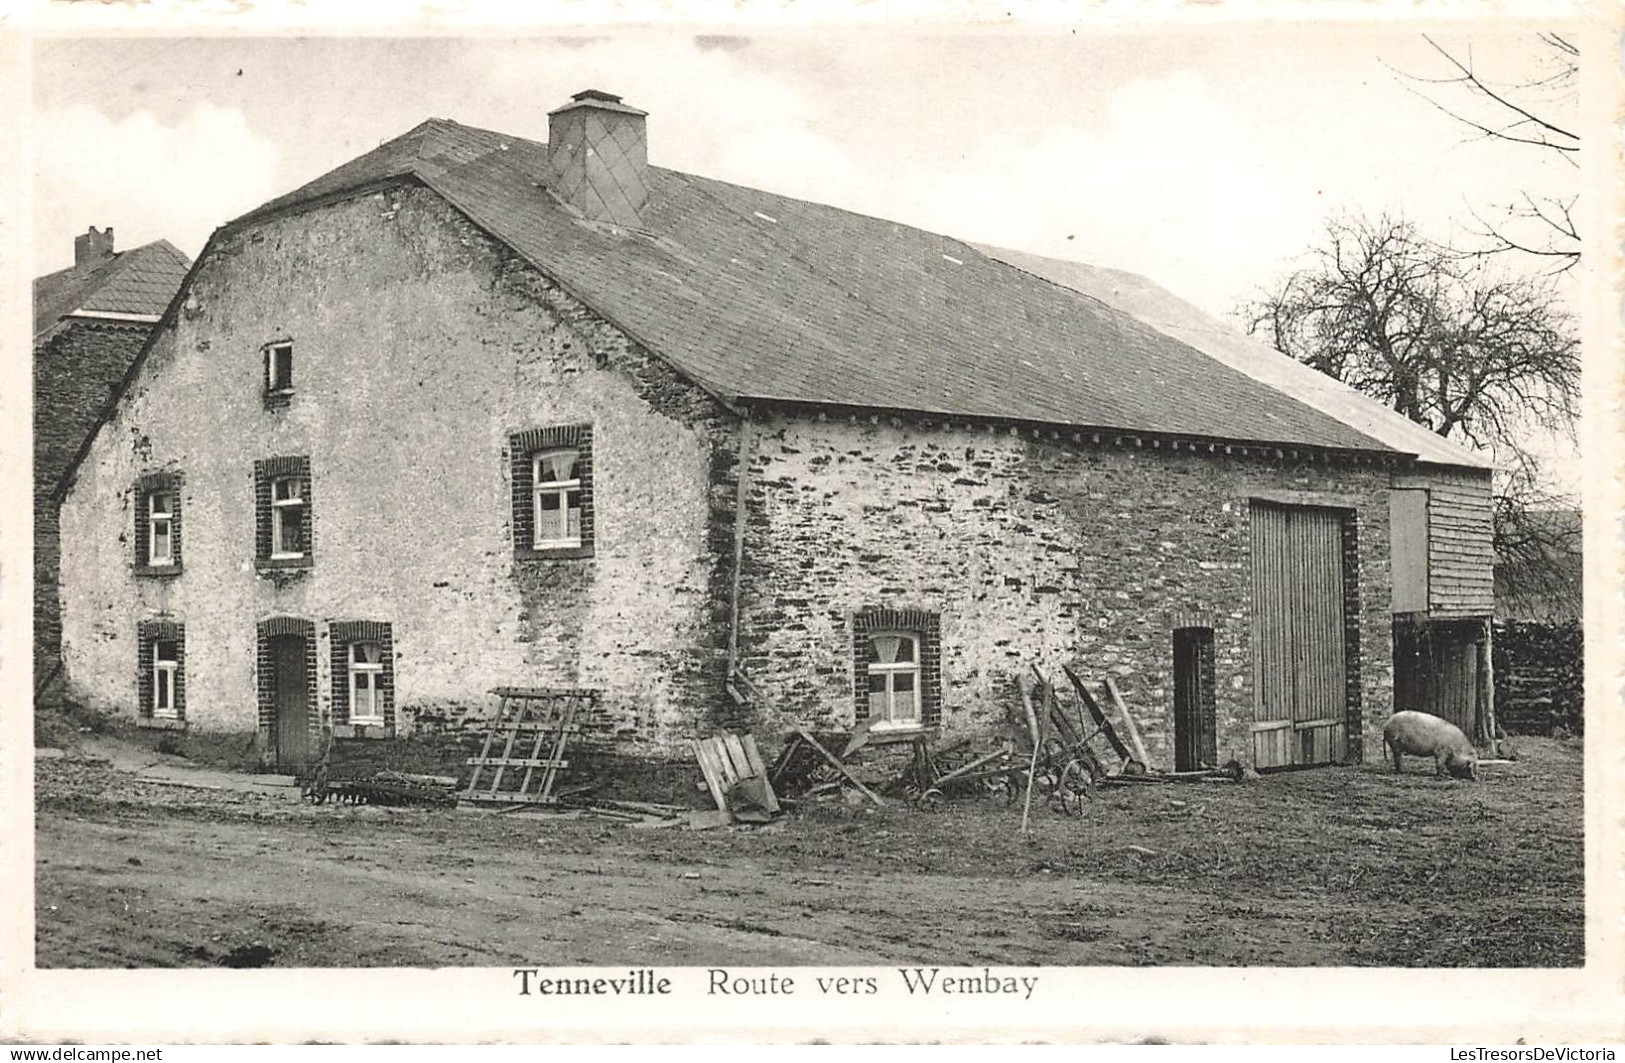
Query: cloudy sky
(1204, 160)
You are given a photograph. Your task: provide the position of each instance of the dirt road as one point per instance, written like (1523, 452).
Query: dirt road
(1340, 866)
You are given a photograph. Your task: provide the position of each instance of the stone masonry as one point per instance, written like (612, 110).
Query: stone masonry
(75, 372)
(422, 351)
(1032, 551)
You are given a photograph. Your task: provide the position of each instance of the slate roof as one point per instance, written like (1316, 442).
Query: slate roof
(1163, 310)
(139, 281)
(757, 296)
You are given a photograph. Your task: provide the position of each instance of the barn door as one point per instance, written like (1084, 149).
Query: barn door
(1298, 665)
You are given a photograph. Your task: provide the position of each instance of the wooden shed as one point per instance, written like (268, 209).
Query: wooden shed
(1441, 519)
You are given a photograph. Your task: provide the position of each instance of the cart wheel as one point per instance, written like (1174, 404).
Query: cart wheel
(1133, 767)
(930, 801)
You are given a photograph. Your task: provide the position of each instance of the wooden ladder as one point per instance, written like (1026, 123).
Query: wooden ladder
(543, 716)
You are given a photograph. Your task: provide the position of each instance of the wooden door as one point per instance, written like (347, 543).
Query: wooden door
(1195, 735)
(290, 695)
(1299, 670)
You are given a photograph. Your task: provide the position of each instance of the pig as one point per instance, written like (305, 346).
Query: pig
(1424, 735)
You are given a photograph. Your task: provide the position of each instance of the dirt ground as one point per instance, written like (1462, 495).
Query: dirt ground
(1343, 866)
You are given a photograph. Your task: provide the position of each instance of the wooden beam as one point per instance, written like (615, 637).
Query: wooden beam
(1128, 721)
(838, 766)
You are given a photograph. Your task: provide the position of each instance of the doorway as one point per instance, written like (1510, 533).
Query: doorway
(290, 698)
(1195, 738)
(1300, 671)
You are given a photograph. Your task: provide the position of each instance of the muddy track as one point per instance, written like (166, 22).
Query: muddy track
(1344, 866)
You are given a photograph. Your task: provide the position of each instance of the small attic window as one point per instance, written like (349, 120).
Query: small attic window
(955, 261)
(278, 372)
(765, 217)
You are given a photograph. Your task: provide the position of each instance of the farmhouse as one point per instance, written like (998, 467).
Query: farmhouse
(473, 411)
(90, 321)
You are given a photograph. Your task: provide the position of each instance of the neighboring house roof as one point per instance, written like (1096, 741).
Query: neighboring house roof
(1166, 312)
(135, 284)
(757, 296)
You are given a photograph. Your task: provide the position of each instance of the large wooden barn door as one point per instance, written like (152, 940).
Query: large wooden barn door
(1298, 666)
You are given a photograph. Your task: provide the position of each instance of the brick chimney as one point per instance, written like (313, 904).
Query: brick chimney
(93, 248)
(599, 154)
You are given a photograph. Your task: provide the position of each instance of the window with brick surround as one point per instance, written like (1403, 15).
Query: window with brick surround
(161, 663)
(283, 536)
(894, 679)
(551, 469)
(158, 524)
(897, 668)
(363, 673)
(278, 372)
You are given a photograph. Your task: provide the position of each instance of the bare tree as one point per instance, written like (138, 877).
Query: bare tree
(1472, 352)
(1531, 113)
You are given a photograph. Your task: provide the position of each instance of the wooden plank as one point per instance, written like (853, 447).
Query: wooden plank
(1128, 722)
(838, 766)
(507, 751)
(753, 755)
(717, 749)
(1272, 674)
(561, 741)
(549, 727)
(1101, 723)
(738, 762)
(713, 776)
(1272, 746)
(759, 769)
(509, 797)
(1408, 534)
(485, 750)
(519, 762)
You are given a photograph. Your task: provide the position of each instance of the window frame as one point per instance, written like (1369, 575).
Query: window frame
(165, 517)
(374, 670)
(164, 672)
(278, 384)
(531, 533)
(278, 520)
(891, 670)
(564, 490)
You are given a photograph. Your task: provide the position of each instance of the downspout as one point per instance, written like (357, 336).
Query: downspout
(738, 684)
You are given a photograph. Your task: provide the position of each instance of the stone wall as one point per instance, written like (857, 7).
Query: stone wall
(420, 348)
(1032, 552)
(75, 371)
